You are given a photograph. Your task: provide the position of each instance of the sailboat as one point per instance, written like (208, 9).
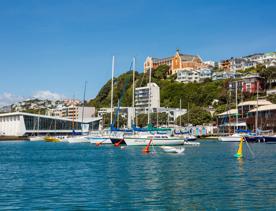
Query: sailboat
(78, 138)
(53, 138)
(117, 135)
(157, 139)
(36, 137)
(238, 133)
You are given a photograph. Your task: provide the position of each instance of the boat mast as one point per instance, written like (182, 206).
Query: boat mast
(149, 95)
(257, 111)
(73, 122)
(180, 106)
(83, 104)
(188, 114)
(237, 119)
(133, 91)
(112, 81)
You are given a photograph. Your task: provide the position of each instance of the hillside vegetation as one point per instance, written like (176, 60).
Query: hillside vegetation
(200, 97)
(200, 94)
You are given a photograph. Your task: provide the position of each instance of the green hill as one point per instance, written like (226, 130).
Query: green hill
(197, 94)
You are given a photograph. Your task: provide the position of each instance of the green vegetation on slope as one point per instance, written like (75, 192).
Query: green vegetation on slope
(200, 94)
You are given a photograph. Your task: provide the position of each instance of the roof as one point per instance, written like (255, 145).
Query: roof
(254, 103)
(187, 57)
(184, 57)
(86, 120)
(264, 108)
(229, 112)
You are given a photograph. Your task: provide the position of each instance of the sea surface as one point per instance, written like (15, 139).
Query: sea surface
(63, 176)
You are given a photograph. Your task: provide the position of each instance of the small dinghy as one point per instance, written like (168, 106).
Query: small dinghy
(170, 149)
(193, 143)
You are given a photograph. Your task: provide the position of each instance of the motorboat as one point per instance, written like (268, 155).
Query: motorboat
(170, 149)
(189, 137)
(192, 143)
(52, 139)
(236, 137)
(157, 139)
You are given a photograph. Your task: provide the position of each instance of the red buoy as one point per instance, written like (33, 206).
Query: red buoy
(118, 143)
(147, 148)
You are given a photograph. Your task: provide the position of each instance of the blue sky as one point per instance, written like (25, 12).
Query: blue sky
(55, 45)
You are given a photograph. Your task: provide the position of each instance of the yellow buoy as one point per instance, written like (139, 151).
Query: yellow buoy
(239, 152)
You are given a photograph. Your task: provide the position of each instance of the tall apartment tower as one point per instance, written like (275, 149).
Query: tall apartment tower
(147, 97)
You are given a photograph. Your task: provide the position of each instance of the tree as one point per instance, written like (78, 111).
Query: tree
(195, 116)
(160, 118)
(161, 72)
(269, 74)
(106, 121)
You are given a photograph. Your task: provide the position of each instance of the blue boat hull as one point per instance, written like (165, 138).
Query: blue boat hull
(117, 140)
(264, 139)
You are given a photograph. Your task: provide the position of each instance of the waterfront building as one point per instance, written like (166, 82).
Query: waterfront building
(227, 123)
(147, 97)
(266, 118)
(177, 62)
(245, 107)
(73, 112)
(26, 124)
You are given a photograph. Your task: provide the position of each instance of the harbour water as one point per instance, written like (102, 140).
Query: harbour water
(62, 176)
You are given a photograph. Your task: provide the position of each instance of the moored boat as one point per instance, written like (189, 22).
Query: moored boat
(51, 139)
(170, 149)
(264, 139)
(99, 139)
(193, 143)
(76, 139)
(233, 138)
(36, 138)
(157, 139)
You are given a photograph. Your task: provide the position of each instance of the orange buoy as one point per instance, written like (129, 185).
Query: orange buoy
(147, 148)
(98, 143)
(118, 143)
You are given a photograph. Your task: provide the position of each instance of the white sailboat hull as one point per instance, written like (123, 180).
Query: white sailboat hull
(99, 140)
(36, 138)
(155, 142)
(76, 139)
(230, 139)
(233, 138)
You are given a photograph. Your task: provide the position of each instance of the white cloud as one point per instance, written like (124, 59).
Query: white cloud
(48, 95)
(8, 98)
